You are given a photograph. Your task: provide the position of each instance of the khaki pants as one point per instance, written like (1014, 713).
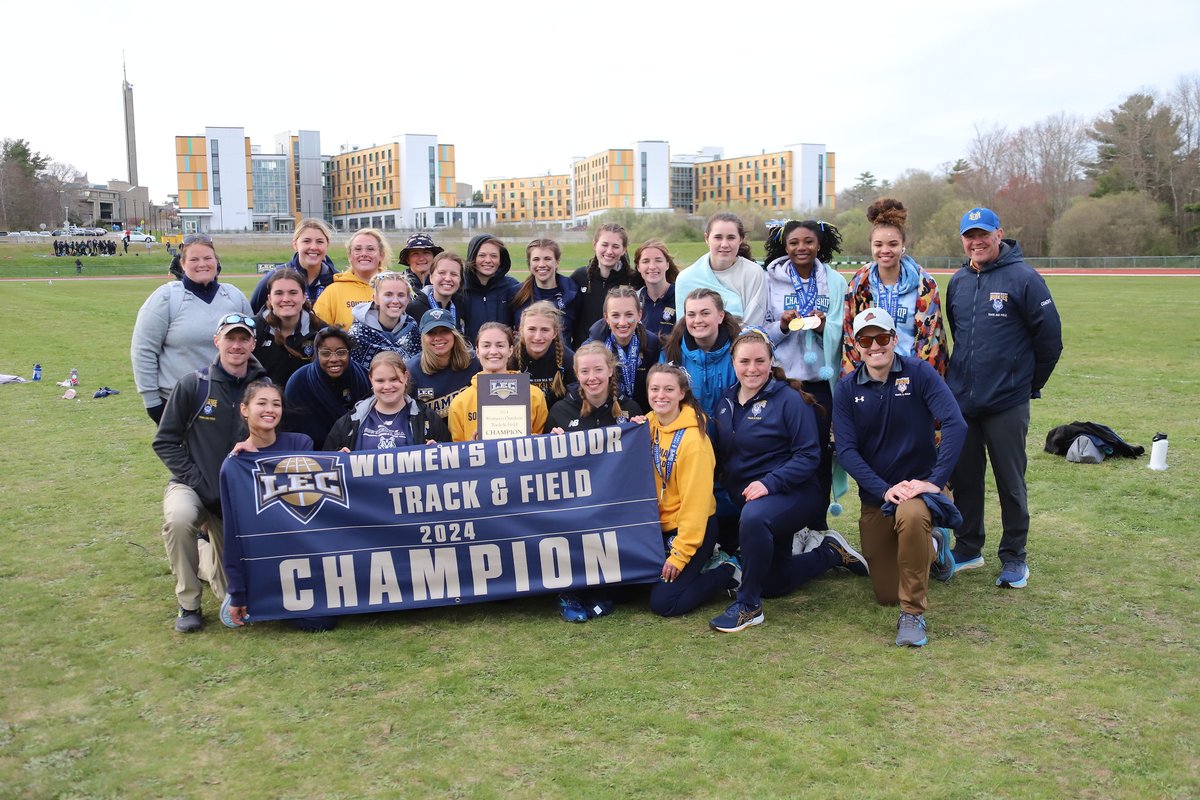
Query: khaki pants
(193, 561)
(899, 551)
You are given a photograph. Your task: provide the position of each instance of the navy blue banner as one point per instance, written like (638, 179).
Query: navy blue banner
(319, 534)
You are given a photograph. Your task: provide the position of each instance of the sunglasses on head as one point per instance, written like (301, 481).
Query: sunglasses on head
(238, 319)
(880, 339)
(197, 238)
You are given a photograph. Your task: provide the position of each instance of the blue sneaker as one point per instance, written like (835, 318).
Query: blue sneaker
(737, 617)
(848, 557)
(227, 618)
(910, 631)
(571, 609)
(943, 564)
(964, 561)
(1014, 575)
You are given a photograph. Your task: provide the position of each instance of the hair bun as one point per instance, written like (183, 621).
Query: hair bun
(887, 211)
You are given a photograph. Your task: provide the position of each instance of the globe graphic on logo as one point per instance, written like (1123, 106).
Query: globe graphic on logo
(294, 465)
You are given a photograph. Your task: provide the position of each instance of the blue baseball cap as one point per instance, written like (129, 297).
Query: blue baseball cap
(983, 218)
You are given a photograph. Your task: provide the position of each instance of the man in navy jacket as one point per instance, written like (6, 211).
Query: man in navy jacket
(883, 418)
(1007, 340)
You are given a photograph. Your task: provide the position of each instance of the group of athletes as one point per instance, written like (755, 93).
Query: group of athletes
(765, 387)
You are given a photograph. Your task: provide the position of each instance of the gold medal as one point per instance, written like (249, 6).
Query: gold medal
(804, 324)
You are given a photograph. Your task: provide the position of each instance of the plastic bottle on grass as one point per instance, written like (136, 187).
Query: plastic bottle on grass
(37, 372)
(74, 377)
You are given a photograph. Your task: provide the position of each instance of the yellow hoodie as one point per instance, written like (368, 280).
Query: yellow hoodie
(464, 412)
(688, 501)
(340, 297)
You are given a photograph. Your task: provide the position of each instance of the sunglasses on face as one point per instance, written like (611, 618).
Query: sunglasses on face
(238, 319)
(880, 339)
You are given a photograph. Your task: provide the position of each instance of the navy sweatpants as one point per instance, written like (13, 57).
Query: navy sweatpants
(692, 588)
(765, 528)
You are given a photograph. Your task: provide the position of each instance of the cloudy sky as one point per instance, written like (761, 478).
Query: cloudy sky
(521, 87)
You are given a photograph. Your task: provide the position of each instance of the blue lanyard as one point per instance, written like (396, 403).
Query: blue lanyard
(434, 304)
(664, 469)
(627, 360)
(889, 299)
(806, 291)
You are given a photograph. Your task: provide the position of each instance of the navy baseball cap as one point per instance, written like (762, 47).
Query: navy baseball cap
(982, 218)
(436, 318)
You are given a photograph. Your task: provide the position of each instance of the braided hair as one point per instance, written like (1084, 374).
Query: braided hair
(598, 349)
(520, 359)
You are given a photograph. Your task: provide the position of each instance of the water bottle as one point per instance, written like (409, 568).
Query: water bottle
(74, 377)
(1158, 452)
(37, 372)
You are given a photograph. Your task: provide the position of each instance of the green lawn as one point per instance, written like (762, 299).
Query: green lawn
(1083, 685)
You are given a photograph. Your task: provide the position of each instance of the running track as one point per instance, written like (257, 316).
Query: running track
(1083, 273)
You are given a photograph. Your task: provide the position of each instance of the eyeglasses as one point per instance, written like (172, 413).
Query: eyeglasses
(238, 319)
(341, 352)
(196, 238)
(881, 339)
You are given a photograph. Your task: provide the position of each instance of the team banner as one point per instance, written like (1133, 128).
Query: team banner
(387, 530)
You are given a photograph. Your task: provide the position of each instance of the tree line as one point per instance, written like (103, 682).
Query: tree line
(34, 188)
(1125, 183)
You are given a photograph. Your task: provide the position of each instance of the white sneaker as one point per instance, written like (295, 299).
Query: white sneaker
(805, 540)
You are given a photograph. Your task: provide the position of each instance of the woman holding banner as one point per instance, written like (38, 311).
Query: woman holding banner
(695, 569)
(262, 409)
(768, 445)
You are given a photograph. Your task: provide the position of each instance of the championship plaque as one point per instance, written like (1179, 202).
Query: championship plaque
(503, 405)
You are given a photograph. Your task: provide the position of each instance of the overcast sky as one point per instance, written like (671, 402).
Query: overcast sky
(521, 87)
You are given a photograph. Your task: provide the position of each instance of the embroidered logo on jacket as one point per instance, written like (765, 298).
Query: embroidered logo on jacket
(902, 386)
(998, 300)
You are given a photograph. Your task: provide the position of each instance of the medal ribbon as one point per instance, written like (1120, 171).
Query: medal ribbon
(664, 469)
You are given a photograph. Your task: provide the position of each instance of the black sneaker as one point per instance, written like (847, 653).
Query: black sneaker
(849, 558)
(189, 621)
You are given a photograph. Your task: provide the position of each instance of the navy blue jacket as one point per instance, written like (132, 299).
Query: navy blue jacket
(884, 431)
(258, 298)
(1006, 330)
(589, 303)
(562, 296)
(772, 439)
(438, 390)
(649, 348)
(490, 302)
(659, 316)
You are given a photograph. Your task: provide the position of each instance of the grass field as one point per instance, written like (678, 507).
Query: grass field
(1083, 685)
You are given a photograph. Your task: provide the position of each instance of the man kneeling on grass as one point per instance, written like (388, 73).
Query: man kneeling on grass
(883, 423)
(201, 423)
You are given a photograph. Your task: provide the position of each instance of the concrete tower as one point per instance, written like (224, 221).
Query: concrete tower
(130, 139)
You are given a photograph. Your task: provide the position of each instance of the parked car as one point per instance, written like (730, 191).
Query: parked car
(138, 236)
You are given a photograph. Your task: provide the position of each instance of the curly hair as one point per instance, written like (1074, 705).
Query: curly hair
(829, 239)
(888, 212)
